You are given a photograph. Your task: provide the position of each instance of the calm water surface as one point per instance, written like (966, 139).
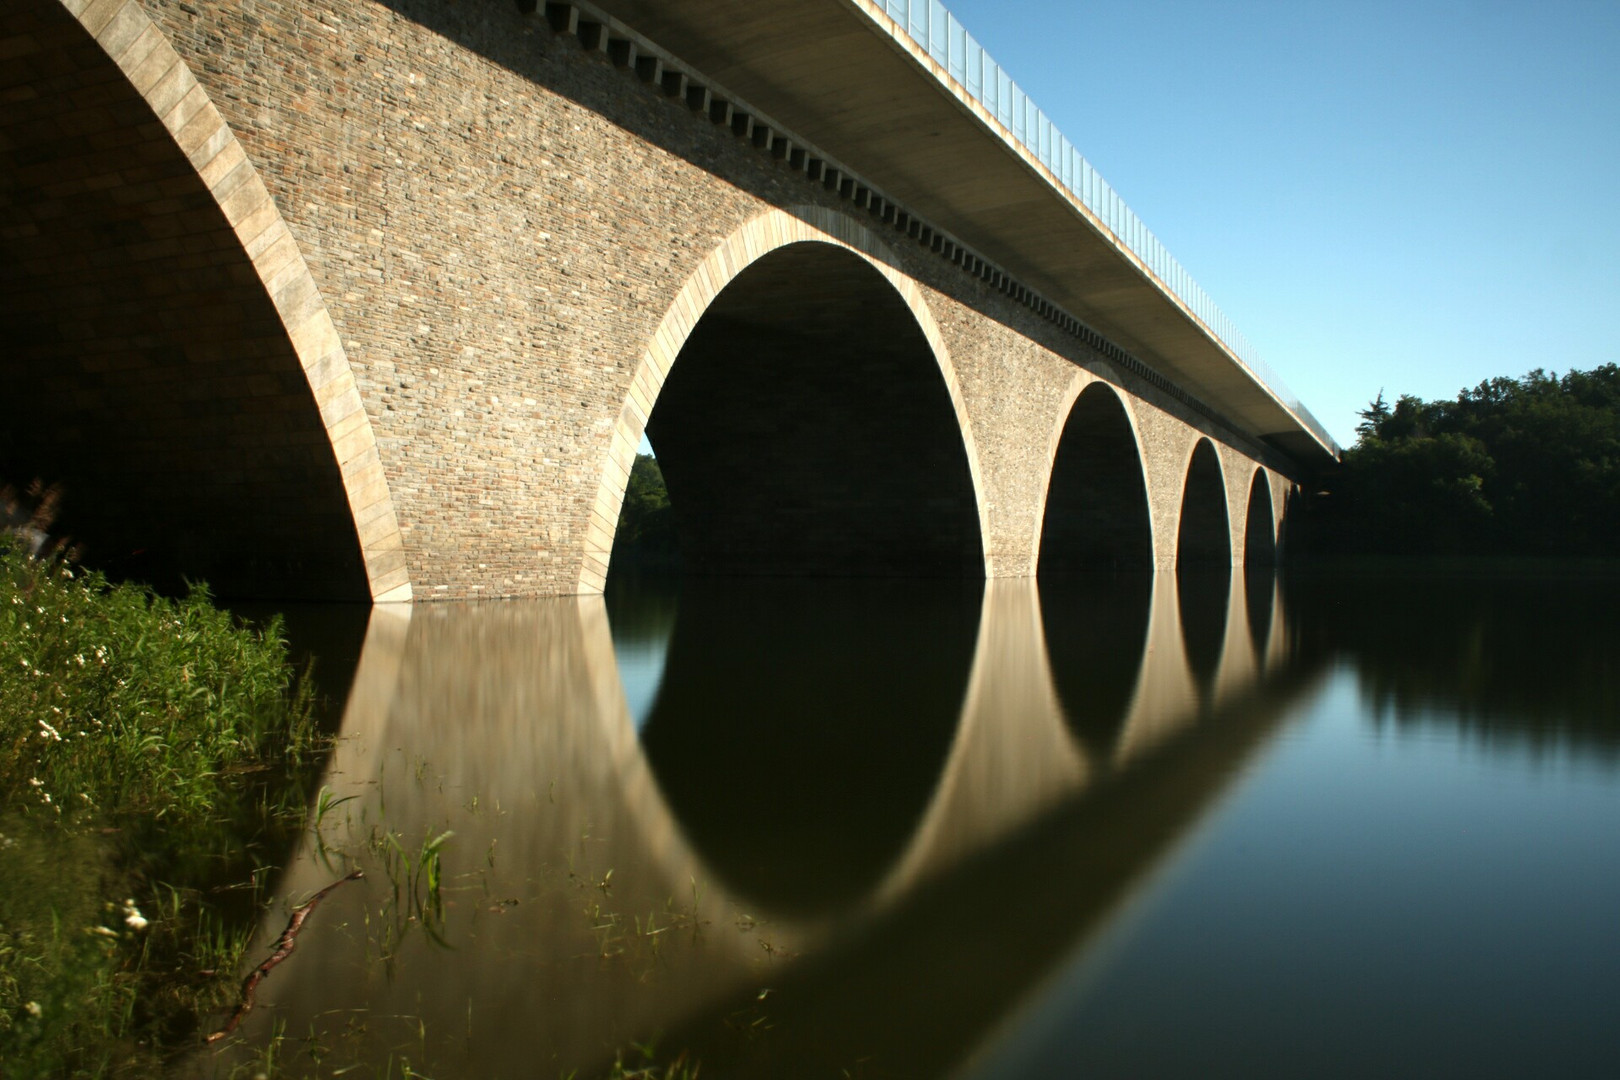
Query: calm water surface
(1122, 827)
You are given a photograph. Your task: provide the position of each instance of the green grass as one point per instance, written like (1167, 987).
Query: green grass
(153, 759)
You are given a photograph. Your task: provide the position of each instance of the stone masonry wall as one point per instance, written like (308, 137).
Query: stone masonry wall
(497, 219)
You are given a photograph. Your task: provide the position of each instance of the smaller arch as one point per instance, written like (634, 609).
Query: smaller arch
(1259, 531)
(1096, 514)
(1203, 537)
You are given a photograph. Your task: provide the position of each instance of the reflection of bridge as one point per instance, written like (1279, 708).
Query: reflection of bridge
(377, 298)
(506, 723)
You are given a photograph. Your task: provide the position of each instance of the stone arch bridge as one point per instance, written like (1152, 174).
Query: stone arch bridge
(377, 298)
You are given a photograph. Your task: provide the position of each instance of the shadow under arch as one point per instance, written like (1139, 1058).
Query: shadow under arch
(170, 361)
(1259, 532)
(813, 424)
(1096, 515)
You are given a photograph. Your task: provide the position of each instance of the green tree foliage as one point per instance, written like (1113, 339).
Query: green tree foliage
(1527, 466)
(645, 539)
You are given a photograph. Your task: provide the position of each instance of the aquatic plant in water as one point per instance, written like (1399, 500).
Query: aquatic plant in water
(150, 750)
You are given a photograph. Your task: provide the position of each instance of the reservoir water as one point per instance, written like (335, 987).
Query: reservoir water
(1114, 827)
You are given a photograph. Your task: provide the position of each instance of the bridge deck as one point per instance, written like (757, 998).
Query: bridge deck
(844, 78)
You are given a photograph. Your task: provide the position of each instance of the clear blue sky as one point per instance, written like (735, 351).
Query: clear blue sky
(1407, 196)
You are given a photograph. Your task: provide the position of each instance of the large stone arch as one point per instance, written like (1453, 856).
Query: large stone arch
(1094, 507)
(768, 233)
(176, 367)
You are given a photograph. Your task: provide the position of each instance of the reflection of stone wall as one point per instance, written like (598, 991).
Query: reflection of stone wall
(505, 723)
(497, 221)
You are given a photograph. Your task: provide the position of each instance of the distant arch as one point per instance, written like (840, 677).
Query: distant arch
(175, 366)
(1259, 531)
(1204, 564)
(799, 344)
(1203, 537)
(1096, 514)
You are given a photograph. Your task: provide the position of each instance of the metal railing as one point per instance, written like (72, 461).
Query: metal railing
(932, 27)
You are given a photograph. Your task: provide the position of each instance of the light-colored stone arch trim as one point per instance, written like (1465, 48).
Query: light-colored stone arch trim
(1079, 383)
(776, 228)
(141, 51)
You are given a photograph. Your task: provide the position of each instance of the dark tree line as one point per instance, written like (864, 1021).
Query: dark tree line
(1527, 466)
(645, 539)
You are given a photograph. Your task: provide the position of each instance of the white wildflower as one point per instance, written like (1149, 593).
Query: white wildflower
(48, 733)
(36, 781)
(33, 1009)
(133, 917)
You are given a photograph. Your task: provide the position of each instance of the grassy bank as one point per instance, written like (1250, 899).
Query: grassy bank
(152, 758)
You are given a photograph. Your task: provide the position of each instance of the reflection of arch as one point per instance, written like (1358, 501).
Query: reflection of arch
(1259, 531)
(1203, 596)
(160, 304)
(1203, 537)
(1097, 633)
(1260, 602)
(768, 233)
(801, 730)
(1166, 698)
(529, 804)
(1012, 758)
(1096, 506)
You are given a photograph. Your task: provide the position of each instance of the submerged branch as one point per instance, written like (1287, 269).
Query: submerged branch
(284, 947)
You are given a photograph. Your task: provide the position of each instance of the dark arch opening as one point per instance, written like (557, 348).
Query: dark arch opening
(1260, 600)
(1259, 539)
(1204, 539)
(1096, 502)
(146, 371)
(1259, 562)
(805, 430)
(1204, 564)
